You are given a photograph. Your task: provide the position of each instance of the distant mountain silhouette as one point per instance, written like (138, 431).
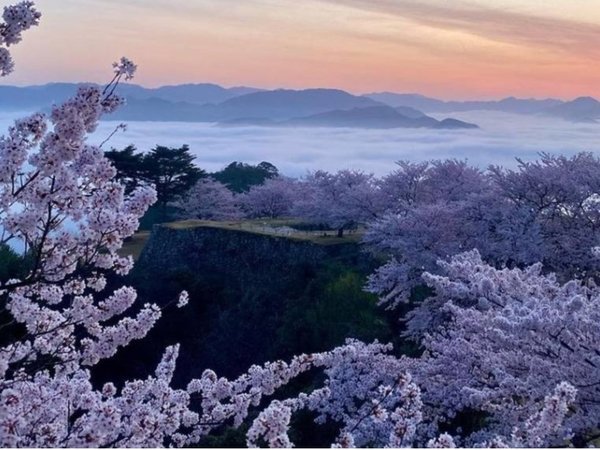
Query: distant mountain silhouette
(409, 112)
(286, 103)
(43, 96)
(34, 97)
(416, 101)
(582, 109)
(159, 110)
(428, 104)
(206, 102)
(200, 93)
(375, 117)
(451, 123)
(257, 107)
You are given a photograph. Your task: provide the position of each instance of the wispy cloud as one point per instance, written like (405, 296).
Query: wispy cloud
(489, 22)
(445, 48)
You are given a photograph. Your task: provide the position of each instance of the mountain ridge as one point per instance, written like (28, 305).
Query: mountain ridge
(209, 102)
(44, 95)
(429, 104)
(581, 109)
(376, 117)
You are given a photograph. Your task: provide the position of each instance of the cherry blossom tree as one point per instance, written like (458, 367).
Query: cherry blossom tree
(544, 211)
(272, 199)
(60, 205)
(432, 210)
(421, 234)
(429, 182)
(510, 338)
(562, 195)
(341, 200)
(211, 200)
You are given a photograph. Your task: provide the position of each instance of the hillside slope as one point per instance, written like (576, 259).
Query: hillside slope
(253, 297)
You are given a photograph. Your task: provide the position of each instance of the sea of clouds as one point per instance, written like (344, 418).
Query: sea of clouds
(501, 138)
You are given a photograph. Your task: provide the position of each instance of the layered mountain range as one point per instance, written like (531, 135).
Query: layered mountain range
(581, 109)
(240, 106)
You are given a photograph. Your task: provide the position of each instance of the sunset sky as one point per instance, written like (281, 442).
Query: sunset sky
(446, 48)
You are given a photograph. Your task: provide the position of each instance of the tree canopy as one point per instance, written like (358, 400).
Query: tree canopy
(240, 177)
(170, 171)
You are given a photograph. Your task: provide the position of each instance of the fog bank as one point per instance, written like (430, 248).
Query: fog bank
(501, 138)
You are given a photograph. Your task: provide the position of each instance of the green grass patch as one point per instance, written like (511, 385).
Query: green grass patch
(282, 228)
(272, 227)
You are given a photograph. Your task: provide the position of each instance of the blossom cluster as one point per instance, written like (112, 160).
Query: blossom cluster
(59, 202)
(209, 199)
(541, 211)
(16, 19)
(511, 337)
(212, 200)
(272, 199)
(339, 200)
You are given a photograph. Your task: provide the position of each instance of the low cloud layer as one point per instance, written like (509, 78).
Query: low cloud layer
(502, 137)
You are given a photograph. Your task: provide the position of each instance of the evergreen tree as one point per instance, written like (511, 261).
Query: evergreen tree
(171, 171)
(240, 177)
(129, 166)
